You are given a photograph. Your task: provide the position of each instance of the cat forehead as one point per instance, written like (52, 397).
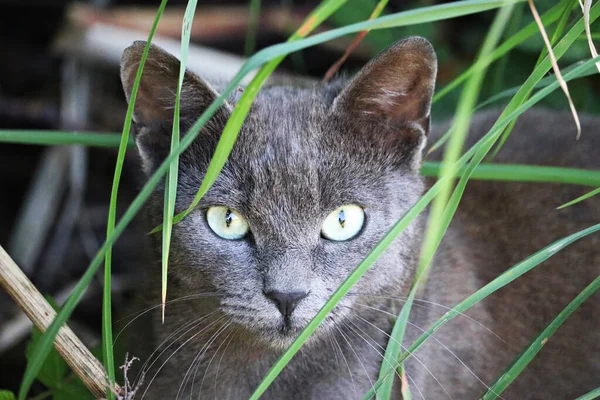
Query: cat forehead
(285, 125)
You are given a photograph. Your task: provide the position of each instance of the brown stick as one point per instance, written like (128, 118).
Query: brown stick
(33, 304)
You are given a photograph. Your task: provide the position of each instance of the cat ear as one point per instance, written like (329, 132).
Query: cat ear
(396, 87)
(155, 100)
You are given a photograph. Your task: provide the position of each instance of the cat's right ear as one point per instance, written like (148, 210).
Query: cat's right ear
(391, 96)
(155, 101)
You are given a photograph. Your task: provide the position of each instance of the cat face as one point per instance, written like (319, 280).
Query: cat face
(315, 179)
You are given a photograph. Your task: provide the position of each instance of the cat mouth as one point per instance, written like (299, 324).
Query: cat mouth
(287, 328)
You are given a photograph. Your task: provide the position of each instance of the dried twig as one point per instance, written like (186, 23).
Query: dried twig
(128, 391)
(559, 77)
(31, 301)
(355, 42)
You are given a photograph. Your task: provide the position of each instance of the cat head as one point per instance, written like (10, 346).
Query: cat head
(316, 178)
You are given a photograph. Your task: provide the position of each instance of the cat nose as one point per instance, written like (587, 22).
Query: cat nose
(286, 302)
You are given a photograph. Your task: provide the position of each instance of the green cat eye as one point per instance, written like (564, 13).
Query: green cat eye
(343, 223)
(226, 223)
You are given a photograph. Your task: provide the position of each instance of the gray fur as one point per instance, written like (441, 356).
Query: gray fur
(303, 152)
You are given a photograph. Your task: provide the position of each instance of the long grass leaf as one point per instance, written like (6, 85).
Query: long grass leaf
(59, 138)
(528, 31)
(107, 336)
(170, 194)
(580, 199)
(519, 364)
(250, 42)
(594, 394)
(524, 173)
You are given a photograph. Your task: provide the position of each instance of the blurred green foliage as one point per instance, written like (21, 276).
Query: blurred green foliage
(457, 44)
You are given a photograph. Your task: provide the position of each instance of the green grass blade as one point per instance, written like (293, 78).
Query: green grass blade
(435, 229)
(507, 277)
(543, 83)
(467, 102)
(581, 198)
(392, 351)
(568, 6)
(594, 394)
(107, 335)
(59, 138)
(549, 17)
(531, 29)
(536, 345)
(43, 348)
(442, 219)
(250, 42)
(172, 176)
(525, 173)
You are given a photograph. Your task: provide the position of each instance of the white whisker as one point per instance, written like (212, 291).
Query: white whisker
(221, 359)
(145, 368)
(437, 305)
(403, 348)
(335, 342)
(436, 340)
(177, 350)
(203, 351)
(139, 314)
(393, 368)
(356, 355)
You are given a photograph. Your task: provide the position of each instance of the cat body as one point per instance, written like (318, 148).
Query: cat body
(303, 153)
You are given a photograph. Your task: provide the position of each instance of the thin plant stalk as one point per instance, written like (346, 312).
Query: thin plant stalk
(107, 336)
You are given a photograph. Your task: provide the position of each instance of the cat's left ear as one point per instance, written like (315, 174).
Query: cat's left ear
(395, 88)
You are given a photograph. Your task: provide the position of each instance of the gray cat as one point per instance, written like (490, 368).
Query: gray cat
(315, 179)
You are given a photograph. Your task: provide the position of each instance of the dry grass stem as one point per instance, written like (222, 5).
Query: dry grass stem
(586, 7)
(559, 77)
(41, 313)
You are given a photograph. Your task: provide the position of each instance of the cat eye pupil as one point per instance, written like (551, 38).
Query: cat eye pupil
(228, 218)
(342, 218)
